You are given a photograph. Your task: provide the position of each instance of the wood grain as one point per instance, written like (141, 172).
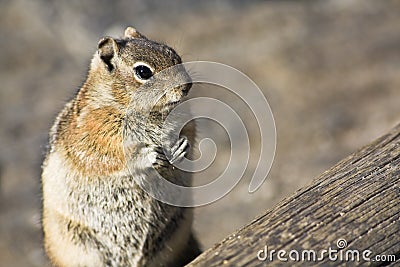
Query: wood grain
(357, 200)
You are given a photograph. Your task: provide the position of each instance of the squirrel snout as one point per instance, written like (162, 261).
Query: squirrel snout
(186, 83)
(186, 88)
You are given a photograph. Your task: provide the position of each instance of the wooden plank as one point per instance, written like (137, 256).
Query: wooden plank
(357, 200)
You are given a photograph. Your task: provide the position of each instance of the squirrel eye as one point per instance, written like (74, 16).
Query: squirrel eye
(143, 72)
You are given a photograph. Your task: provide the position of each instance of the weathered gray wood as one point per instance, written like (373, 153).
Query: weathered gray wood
(357, 200)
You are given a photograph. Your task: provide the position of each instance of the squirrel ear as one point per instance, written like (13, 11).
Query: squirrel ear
(108, 47)
(131, 33)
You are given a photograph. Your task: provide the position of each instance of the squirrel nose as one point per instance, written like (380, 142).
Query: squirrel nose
(186, 87)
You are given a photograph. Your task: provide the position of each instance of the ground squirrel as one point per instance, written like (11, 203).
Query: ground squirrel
(94, 212)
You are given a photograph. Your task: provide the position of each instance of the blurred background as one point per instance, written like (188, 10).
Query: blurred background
(329, 69)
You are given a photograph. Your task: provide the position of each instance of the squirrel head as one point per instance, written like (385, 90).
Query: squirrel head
(130, 75)
(121, 66)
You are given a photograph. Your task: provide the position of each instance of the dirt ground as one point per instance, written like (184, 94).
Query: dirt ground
(329, 69)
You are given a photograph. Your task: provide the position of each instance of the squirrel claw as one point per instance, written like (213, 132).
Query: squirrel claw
(179, 150)
(177, 153)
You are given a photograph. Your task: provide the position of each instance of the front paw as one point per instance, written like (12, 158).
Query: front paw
(159, 159)
(175, 154)
(179, 150)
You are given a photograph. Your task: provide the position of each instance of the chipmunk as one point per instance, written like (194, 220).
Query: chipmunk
(95, 213)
